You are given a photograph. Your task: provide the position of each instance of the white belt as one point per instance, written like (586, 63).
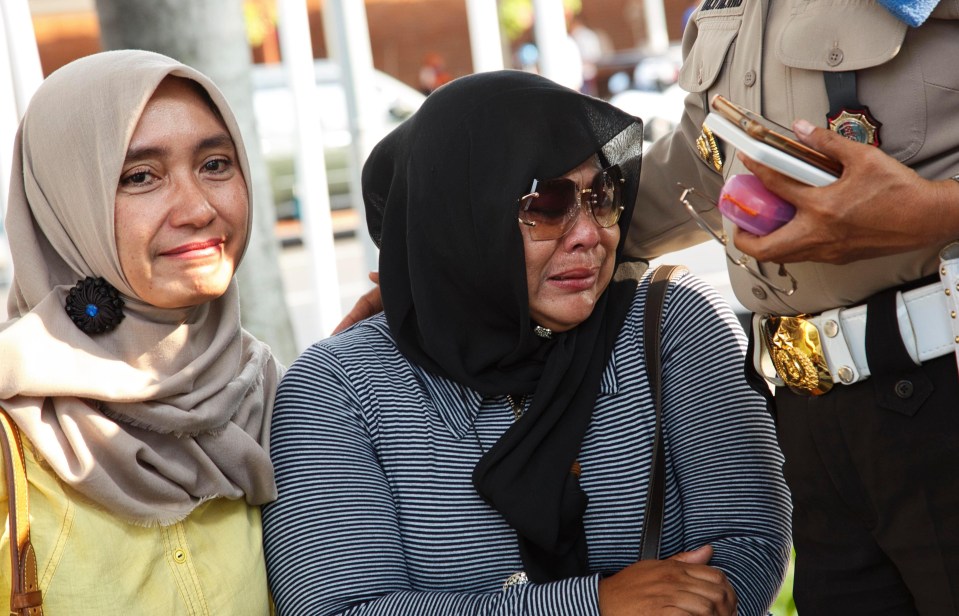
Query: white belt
(928, 325)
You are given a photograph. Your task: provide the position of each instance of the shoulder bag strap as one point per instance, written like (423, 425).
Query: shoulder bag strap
(25, 596)
(656, 497)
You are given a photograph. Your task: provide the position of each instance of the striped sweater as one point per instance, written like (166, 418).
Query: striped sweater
(377, 513)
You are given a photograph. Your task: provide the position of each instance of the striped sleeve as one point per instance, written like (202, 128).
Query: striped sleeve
(722, 446)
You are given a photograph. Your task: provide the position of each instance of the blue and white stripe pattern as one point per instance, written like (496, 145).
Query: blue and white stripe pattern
(377, 513)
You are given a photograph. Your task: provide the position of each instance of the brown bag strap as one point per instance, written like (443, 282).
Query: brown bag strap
(25, 596)
(656, 496)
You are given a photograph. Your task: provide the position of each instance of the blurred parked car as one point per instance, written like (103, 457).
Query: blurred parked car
(638, 69)
(645, 85)
(392, 100)
(660, 111)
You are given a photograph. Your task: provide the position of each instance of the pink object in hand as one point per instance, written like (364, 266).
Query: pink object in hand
(745, 201)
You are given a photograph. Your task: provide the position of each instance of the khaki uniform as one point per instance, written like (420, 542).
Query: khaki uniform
(908, 77)
(873, 467)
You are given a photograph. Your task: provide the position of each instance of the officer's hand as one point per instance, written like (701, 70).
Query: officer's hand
(683, 584)
(877, 207)
(369, 304)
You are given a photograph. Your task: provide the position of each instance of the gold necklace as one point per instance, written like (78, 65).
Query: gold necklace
(516, 405)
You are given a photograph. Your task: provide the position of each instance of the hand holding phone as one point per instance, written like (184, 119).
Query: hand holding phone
(746, 131)
(745, 201)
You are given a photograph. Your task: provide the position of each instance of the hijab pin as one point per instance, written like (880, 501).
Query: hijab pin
(543, 332)
(94, 305)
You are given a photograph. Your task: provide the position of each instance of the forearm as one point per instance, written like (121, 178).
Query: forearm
(755, 567)
(360, 526)
(734, 497)
(660, 223)
(570, 596)
(944, 210)
(336, 546)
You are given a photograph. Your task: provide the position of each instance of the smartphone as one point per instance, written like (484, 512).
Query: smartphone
(746, 131)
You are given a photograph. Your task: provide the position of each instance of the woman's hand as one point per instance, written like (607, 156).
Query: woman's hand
(877, 207)
(682, 584)
(369, 304)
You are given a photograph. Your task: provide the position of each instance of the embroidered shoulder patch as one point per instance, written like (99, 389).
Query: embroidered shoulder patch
(715, 5)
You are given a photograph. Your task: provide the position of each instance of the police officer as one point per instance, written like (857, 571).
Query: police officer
(867, 392)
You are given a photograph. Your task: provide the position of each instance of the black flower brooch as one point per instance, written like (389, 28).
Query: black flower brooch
(94, 305)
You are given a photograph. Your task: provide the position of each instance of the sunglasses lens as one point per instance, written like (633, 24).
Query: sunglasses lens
(550, 209)
(607, 197)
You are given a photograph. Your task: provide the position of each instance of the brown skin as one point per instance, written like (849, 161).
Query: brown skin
(369, 304)
(565, 277)
(680, 585)
(861, 215)
(181, 204)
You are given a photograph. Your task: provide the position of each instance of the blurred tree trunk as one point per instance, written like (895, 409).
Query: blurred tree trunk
(210, 35)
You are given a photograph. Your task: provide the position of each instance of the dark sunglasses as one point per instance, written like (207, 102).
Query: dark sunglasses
(551, 207)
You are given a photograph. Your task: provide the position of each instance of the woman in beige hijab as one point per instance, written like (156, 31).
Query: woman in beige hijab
(143, 406)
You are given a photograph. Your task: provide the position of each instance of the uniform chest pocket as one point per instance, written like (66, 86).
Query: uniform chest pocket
(716, 31)
(917, 64)
(818, 36)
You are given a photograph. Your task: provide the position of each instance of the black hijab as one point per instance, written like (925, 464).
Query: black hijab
(441, 196)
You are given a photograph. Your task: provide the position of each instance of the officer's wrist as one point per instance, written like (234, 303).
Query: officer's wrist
(941, 220)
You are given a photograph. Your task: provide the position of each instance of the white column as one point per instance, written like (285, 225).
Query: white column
(486, 44)
(657, 35)
(549, 28)
(20, 76)
(310, 164)
(348, 36)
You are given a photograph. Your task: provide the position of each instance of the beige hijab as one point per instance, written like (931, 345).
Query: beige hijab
(173, 406)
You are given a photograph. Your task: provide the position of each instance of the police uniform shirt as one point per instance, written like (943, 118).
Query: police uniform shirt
(906, 76)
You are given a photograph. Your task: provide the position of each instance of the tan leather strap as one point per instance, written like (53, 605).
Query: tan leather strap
(25, 596)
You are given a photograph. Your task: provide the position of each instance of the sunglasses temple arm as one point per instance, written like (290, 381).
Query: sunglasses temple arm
(697, 217)
(742, 262)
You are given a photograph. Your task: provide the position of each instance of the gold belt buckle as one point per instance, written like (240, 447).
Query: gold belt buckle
(796, 352)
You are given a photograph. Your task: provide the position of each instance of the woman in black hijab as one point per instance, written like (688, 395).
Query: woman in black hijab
(493, 432)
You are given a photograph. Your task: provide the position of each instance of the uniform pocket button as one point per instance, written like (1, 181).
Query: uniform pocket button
(904, 388)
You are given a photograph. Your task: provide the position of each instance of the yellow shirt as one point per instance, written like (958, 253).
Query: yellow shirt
(90, 562)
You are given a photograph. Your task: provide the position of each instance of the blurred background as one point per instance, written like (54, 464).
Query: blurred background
(316, 83)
